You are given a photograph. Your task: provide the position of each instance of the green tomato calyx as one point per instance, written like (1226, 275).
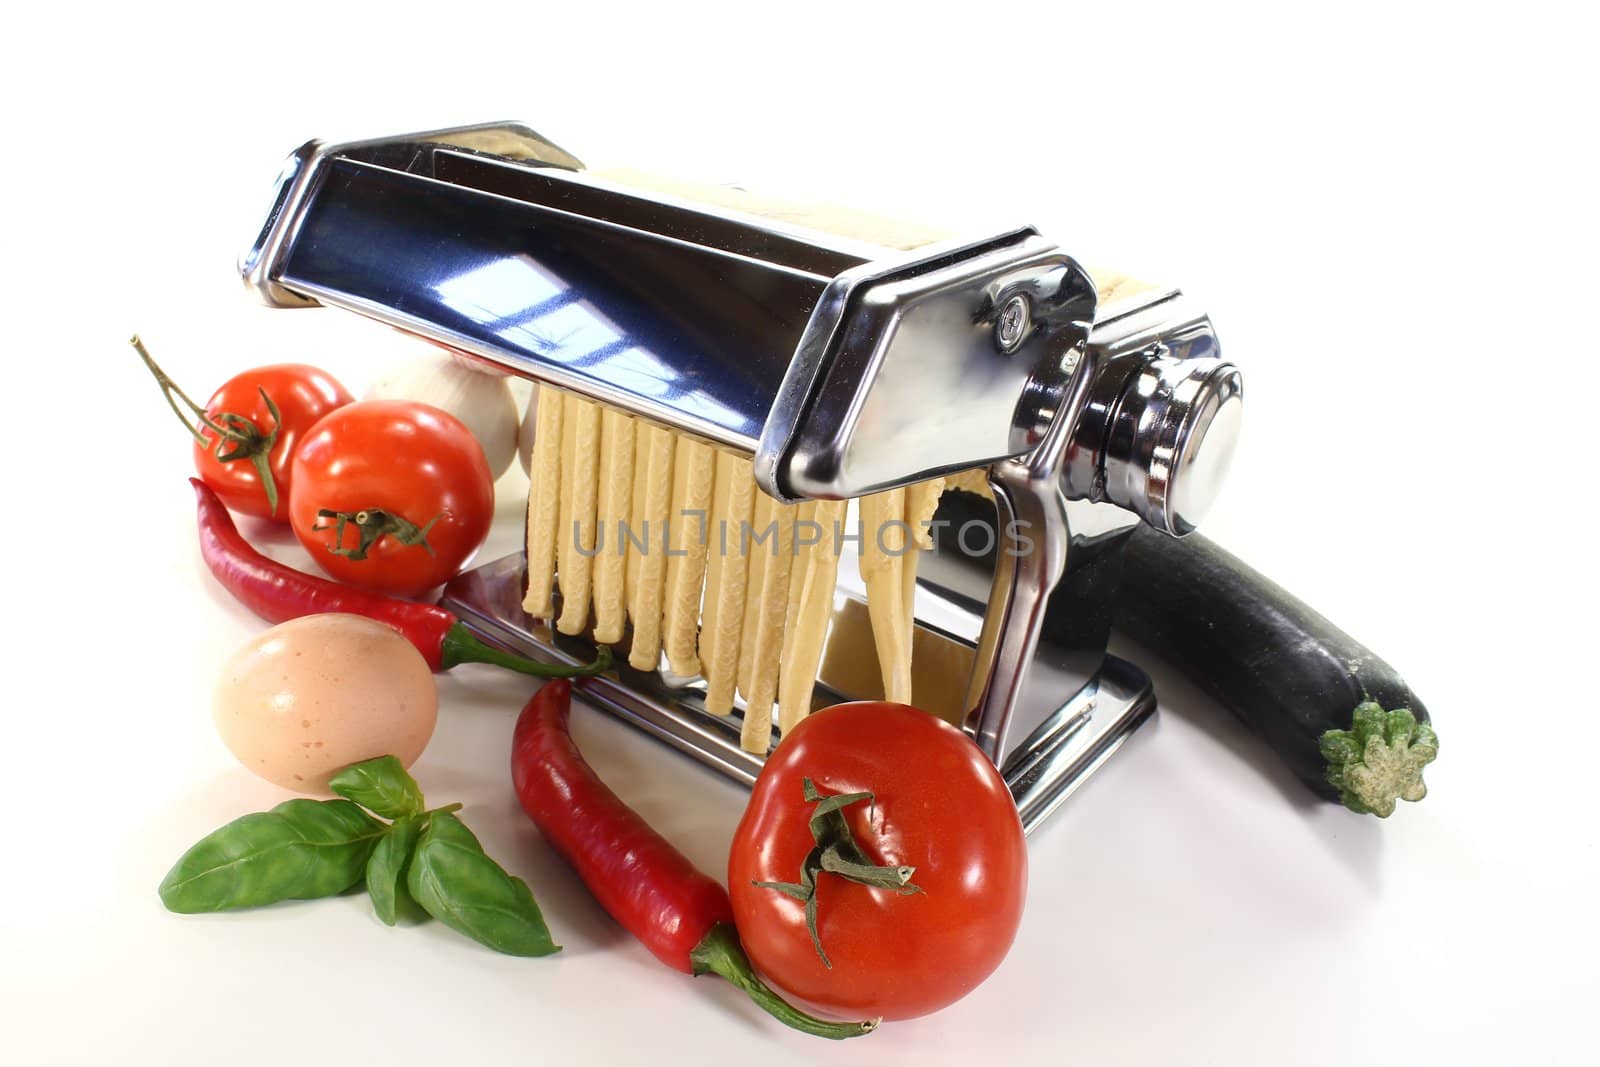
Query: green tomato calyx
(236, 436)
(371, 524)
(837, 853)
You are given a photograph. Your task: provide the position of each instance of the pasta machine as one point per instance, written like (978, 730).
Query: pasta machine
(840, 368)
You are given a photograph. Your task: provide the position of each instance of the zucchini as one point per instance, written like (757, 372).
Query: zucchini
(1305, 687)
(1313, 693)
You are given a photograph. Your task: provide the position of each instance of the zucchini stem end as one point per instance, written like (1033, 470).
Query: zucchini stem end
(1379, 760)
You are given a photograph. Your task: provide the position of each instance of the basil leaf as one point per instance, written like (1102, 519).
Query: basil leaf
(386, 872)
(299, 850)
(381, 786)
(463, 888)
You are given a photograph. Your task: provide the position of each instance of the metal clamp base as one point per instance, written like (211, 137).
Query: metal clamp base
(1042, 772)
(1076, 741)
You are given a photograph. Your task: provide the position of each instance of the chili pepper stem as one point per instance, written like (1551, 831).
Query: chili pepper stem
(720, 953)
(461, 646)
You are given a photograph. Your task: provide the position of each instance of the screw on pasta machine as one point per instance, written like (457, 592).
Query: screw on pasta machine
(1011, 326)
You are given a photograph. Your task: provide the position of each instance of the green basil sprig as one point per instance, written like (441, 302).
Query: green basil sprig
(380, 785)
(458, 884)
(299, 850)
(386, 872)
(423, 863)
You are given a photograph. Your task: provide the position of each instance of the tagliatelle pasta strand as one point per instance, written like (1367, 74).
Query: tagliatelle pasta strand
(653, 498)
(693, 471)
(766, 608)
(575, 534)
(811, 589)
(885, 542)
(544, 497)
(973, 481)
(922, 499)
(613, 512)
(722, 623)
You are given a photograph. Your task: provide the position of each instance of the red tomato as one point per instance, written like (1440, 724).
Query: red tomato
(939, 806)
(303, 394)
(391, 496)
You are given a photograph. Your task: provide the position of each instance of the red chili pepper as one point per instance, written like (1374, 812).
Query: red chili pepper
(277, 592)
(681, 915)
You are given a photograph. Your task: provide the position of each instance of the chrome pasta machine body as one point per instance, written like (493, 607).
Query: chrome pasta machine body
(839, 368)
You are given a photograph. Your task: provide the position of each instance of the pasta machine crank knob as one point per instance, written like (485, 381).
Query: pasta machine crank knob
(1170, 436)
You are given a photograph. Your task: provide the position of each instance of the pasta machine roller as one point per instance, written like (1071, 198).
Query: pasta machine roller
(840, 368)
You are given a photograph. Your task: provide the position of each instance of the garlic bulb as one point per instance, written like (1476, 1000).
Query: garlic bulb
(482, 401)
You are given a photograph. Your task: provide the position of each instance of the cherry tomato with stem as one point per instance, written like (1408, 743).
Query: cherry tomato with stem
(879, 869)
(248, 430)
(393, 496)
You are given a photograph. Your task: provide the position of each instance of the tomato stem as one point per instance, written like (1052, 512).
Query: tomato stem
(720, 953)
(837, 853)
(372, 524)
(245, 436)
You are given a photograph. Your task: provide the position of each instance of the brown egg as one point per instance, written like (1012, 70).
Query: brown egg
(312, 695)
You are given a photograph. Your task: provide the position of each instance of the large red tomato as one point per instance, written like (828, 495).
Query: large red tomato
(938, 806)
(302, 394)
(391, 495)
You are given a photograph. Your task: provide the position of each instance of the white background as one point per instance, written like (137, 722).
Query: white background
(1388, 211)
